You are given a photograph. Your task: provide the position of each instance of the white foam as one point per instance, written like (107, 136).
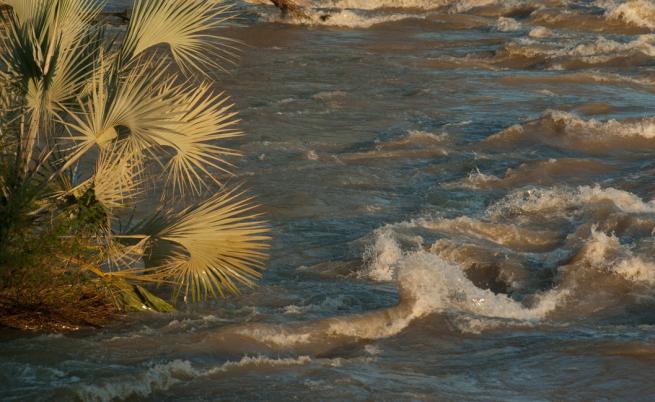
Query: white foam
(377, 4)
(508, 24)
(475, 180)
(560, 199)
(159, 377)
(204, 321)
(462, 6)
(635, 269)
(456, 5)
(639, 13)
(605, 252)
(540, 32)
(343, 18)
(568, 130)
(292, 309)
(276, 336)
(353, 19)
(259, 361)
(436, 285)
(602, 48)
(381, 258)
(311, 155)
(419, 136)
(429, 284)
(367, 13)
(162, 376)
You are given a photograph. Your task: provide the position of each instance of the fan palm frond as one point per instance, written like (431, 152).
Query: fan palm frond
(126, 258)
(209, 247)
(184, 26)
(205, 119)
(118, 177)
(137, 109)
(25, 10)
(75, 17)
(50, 47)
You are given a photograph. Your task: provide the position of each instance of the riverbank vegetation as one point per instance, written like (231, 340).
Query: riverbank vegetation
(112, 168)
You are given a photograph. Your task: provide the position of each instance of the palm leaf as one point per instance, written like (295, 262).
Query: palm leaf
(50, 46)
(205, 119)
(52, 49)
(118, 177)
(208, 248)
(183, 25)
(137, 108)
(184, 119)
(25, 10)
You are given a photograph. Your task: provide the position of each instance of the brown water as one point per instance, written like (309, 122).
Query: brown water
(460, 195)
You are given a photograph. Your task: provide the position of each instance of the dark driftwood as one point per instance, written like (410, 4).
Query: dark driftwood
(289, 8)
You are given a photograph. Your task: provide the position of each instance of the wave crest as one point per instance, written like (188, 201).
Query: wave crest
(567, 131)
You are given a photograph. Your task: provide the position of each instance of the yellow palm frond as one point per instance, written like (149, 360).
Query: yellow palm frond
(205, 118)
(210, 247)
(73, 17)
(183, 25)
(25, 10)
(50, 44)
(49, 50)
(118, 177)
(126, 257)
(137, 108)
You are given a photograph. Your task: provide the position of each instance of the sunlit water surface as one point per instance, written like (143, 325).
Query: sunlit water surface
(460, 200)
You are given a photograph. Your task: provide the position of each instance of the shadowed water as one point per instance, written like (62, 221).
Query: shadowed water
(460, 196)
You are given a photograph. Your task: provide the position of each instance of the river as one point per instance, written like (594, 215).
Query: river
(461, 200)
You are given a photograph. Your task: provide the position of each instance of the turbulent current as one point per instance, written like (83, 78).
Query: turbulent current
(461, 197)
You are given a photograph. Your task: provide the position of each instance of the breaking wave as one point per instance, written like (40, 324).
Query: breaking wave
(552, 171)
(487, 272)
(163, 376)
(567, 131)
(621, 17)
(639, 13)
(618, 16)
(368, 13)
(565, 54)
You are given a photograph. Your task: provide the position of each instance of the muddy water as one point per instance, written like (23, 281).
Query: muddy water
(460, 195)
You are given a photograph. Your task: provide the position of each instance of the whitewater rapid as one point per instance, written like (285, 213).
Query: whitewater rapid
(461, 196)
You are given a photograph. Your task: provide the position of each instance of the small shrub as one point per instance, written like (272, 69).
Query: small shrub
(91, 127)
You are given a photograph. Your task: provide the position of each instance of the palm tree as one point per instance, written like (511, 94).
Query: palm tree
(91, 126)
